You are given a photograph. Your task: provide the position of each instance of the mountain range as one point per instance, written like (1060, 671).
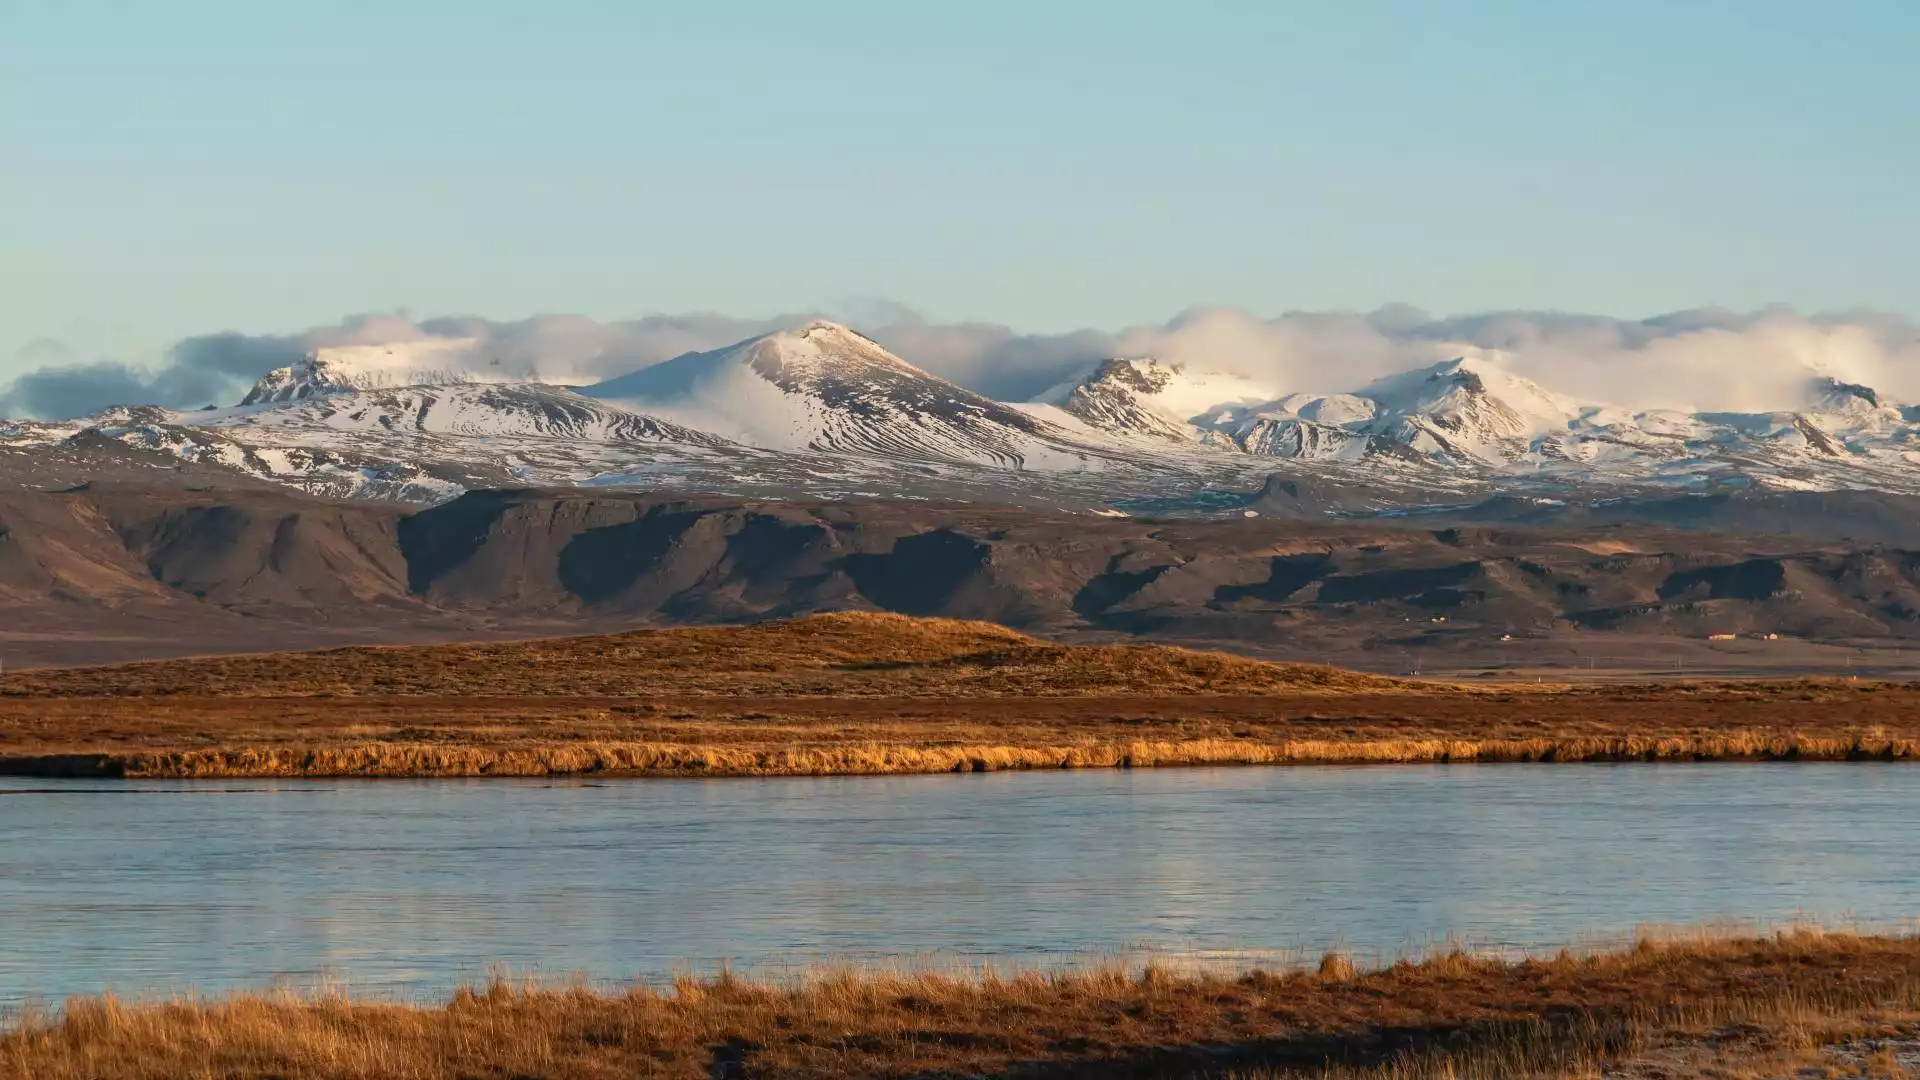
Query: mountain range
(821, 411)
(112, 571)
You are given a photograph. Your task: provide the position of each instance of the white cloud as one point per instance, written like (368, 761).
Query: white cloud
(1702, 358)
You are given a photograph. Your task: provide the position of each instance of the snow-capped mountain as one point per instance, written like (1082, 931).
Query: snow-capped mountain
(426, 362)
(1143, 396)
(1467, 409)
(488, 410)
(1474, 415)
(822, 410)
(130, 442)
(823, 387)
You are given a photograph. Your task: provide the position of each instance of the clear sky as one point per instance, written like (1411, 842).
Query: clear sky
(197, 165)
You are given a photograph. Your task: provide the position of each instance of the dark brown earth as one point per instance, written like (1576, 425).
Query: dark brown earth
(111, 573)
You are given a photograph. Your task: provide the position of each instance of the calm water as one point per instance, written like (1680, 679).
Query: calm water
(411, 886)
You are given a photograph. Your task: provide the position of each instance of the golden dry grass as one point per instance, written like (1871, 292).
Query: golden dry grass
(864, 694)
(378, 759)
(842, 654)
(1453, 1015)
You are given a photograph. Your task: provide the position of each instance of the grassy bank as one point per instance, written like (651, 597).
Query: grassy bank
(396, 760)
(846, 654)
(873, 694)
(1784, 997)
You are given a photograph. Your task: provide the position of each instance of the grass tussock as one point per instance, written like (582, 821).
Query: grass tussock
(1454, 1015)
(846, 653)
(656, 759)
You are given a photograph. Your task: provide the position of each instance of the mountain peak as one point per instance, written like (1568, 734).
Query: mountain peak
(1840, 395)
(817, 346)
(1468, 407)
(1145, 395)
(824, 334)
(823, 386)
(1125, 395)
(823, 326)
(346, 368)
(1473, 376)
(431, 361)
(1146, 372)
(1471, 371)
(1142, 374)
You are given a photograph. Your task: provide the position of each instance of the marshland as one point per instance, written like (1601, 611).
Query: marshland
(196, 884)
(1787, 1004)
(860, 693)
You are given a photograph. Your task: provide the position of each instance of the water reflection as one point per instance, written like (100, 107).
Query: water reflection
(415, 885)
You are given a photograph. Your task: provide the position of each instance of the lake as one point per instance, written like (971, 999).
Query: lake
(406, 887)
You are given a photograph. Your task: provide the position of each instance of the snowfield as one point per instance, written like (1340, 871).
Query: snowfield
(821, 410)
(823, 387)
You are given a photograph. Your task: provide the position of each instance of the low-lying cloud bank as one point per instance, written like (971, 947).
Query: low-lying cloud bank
(1703, 359)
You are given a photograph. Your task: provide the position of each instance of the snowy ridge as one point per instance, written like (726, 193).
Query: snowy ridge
(525, 410)
(821, 409)
(1472, 419)
(1143, 396)
(824, 387)
(1467, 409)
(427, 362)
(1292, 436)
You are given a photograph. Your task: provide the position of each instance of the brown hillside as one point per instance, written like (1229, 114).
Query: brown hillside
(110, 573)
(849, 654)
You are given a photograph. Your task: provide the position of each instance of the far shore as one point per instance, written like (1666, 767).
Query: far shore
(867, 694)
(666, 760)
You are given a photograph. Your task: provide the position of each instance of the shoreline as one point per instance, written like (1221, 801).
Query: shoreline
(642, 760)
(1802, 995)
(867, 694)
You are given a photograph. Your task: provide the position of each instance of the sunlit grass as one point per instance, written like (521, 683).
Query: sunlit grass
(868, 694)
(1450, 1014)
(656, 759)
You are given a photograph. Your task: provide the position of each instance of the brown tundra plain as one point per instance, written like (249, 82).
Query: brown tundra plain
(860, 693)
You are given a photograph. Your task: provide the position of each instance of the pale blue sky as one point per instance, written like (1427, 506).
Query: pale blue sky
(196, 165)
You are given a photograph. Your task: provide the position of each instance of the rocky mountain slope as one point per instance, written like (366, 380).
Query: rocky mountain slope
(1144, 397)
(111, 572)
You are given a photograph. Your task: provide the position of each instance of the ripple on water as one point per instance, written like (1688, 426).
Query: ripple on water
(410, 886)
